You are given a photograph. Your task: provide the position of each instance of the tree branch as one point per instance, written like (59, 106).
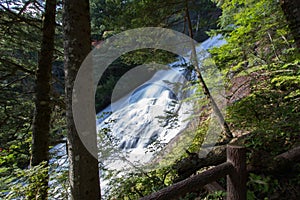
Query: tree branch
(19, 67)
(23, 19)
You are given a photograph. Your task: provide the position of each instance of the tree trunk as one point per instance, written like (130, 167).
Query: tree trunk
(41, 124)
(206, 91)
(291, 9)
(84, 173)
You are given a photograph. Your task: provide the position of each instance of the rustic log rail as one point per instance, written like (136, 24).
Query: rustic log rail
(234, 168)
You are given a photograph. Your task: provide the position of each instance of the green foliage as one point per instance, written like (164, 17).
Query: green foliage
(134, 185)
(16, 183)
(60, 187)
(259, 41)
(261, 51)
(189, 196)
(116, 16)
(200, 134)
(20, 29)
(16, 154)
(26, 184)
(261, 187)
(255, 33)
(218, 195)
(18, 58)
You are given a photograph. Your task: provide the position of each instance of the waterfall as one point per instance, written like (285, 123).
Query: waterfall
(138, 125)
(143, 117)
(149, 117)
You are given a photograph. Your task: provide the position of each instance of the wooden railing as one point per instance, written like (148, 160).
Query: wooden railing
(234, 168)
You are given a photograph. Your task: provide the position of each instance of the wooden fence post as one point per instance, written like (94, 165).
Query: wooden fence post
(237, 178)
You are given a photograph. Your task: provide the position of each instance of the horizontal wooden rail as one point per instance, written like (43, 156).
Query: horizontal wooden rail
(293, 155)
(234, 168)
(191, 184)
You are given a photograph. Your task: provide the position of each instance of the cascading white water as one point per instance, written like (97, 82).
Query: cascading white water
(136, 121)
(141, 118)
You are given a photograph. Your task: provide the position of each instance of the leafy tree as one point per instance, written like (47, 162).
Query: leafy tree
(20, 35)
(258, 41)
(119, 15)
(261, 63)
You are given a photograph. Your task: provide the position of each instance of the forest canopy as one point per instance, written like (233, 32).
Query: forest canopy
(259, 64)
